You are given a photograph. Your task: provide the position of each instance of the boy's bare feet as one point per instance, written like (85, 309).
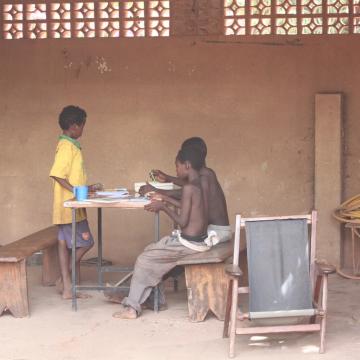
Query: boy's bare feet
(126, 312)
(59, 285)
(67, 295)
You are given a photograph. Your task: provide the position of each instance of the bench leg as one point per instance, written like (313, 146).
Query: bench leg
(13, 288)
(50, 267)
(207, 287)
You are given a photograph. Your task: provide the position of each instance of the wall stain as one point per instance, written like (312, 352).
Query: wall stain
(171, 66)
(264, 166)
(76, 67)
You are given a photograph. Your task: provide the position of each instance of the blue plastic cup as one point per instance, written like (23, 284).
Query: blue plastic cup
(81, 192)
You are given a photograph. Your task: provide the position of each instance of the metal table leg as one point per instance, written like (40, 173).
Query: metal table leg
(99, 265)
(157, 238)
(73, 260)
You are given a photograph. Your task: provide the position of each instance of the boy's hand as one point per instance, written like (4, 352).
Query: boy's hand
(145, 189)
(157, 196)
(154, 206)
(160, 176)
(96, 187)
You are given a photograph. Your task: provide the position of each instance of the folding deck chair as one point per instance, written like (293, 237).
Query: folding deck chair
(284, 278)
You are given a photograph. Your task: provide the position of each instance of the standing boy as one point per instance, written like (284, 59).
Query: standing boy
(68, 171)
(159, 258)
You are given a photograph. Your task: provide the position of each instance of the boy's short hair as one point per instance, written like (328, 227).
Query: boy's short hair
(196, 141)
(193, 155)
(71, 115)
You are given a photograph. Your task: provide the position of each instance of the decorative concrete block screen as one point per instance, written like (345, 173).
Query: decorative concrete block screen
(291, 17)
(42, 19)
(91, 19)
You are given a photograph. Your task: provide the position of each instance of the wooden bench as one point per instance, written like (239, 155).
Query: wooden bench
(206, 281)
(13, 276)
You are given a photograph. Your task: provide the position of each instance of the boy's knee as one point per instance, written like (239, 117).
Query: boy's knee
(85, 236)
(145, 256)
(62, 244)
(141, 260)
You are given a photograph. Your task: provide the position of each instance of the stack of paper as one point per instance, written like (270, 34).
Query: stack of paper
(105, 200)
(111, 200)
(117, 194)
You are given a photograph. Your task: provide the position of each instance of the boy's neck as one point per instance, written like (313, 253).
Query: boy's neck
(69, 134)
(193, 175)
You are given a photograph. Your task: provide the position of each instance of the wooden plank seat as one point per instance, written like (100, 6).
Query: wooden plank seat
(13, 275)
(206, 281)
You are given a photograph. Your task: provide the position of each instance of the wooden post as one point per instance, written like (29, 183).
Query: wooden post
(328, 181)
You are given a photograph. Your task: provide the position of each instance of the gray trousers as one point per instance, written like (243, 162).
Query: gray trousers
(151, 265)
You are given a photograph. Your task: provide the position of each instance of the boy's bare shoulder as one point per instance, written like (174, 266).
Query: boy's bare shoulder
(192, 186)
(205, 181)
(210, 173)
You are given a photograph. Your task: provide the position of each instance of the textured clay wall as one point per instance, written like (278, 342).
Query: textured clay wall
(253, 103)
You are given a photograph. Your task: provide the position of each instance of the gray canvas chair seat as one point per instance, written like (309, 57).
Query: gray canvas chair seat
(284, 278)
(278, 257)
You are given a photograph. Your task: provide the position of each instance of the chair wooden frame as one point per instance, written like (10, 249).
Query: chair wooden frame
(319, 282)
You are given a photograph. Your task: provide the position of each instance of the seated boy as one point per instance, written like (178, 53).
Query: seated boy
(214, 198)
(68, 171)
(159, 258)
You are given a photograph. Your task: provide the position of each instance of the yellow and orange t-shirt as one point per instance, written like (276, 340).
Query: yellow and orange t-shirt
(69, 165)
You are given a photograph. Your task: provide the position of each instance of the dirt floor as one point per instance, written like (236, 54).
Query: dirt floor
(54, 331)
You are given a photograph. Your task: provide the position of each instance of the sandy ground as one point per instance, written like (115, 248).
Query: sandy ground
(54, 331)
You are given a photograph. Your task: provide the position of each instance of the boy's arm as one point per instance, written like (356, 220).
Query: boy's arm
(64, 183)
(62, 165)
(171, 193)
(175, 194)
(181, 219)
(96, 187)
(162, 177)
(167, 199)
